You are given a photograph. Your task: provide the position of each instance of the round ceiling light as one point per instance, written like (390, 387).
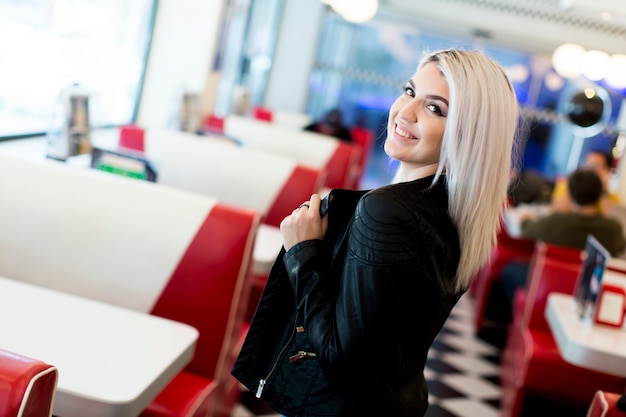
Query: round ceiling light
(355, 11)
(595, 65)
(567, 60)
(616, 76)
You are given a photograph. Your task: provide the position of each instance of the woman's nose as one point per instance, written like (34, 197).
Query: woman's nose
(408, 111)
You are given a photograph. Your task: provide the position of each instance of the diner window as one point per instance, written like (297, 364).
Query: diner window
(246, 53)
(362, 68)
(48, 45)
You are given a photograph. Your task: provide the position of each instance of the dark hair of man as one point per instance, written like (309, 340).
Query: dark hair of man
(585, 187)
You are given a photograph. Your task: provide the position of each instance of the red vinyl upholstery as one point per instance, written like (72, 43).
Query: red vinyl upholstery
(303, 182)
(215, 306)
(231, 385)
(531, 362)
(132, 137)
(342, 167)
(604, 404)
(365, 139)
(214, 124)
(138, 245)
(339, 159)
(27, 386)
(509, 249)
(196, 164)
(262, 113)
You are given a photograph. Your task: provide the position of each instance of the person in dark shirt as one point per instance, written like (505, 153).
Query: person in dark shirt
(332, 125)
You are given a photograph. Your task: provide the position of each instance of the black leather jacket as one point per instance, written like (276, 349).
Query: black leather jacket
(344, 325)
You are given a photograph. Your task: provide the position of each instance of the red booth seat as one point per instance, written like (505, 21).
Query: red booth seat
(531, 362)
(27, 386)
(139, 245)
(340, 160)
(270, 184)
(508, 249)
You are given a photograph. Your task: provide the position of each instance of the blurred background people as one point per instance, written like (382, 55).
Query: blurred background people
(569, 228)
(530, 187)
(332, 125)
(602, 163)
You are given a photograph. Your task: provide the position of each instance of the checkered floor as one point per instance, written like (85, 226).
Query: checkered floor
(462, 373)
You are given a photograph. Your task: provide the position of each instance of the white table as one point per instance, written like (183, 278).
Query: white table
(267, 245)
(583, 343)
(111, 361)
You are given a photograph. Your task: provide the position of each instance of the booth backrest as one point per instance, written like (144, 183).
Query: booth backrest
(130, 243)
(484, 286)
(294, 120)
(365, 139)
(270, 184)
(213, 305)
(213, 124)
(132, 137)
(263, 113)
(27, 386)
(339, 159)
(552, 269)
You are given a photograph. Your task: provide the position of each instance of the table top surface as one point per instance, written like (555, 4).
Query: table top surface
(267, 246)
(582, 342)
(112, 361)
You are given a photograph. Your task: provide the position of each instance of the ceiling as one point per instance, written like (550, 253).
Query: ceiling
(536, 26)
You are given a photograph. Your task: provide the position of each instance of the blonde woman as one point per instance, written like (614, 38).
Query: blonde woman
(360, 290)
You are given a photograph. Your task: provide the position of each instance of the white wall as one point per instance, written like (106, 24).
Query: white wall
(183, 45)
(294, 55)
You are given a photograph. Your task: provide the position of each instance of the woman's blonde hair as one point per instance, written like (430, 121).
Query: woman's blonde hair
(476, 151)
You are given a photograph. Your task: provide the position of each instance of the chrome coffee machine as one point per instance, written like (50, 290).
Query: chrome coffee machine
(70, 131)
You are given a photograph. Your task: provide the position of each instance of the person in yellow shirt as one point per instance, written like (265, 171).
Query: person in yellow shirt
(602, 163)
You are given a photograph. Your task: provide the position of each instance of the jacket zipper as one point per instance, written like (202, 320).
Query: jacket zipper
(262, 381)
(301, 354)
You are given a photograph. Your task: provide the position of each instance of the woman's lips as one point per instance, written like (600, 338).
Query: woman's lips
(404, 133)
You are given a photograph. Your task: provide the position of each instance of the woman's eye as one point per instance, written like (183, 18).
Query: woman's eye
(409, 91)
(435, 109)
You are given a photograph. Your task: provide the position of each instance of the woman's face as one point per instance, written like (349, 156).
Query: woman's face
(417, 120)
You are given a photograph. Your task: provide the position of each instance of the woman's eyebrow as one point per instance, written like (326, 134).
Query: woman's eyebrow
(436, 97)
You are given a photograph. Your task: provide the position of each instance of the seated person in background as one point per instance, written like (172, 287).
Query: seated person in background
(569, 228)
(602, 163)
(332, 125)
(530, 187)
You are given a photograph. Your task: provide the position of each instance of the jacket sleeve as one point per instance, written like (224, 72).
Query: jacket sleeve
(350, 331)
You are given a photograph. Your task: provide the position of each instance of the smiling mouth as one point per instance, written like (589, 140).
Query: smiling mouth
(405, 134)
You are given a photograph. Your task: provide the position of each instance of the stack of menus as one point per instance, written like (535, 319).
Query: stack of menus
(126, 163)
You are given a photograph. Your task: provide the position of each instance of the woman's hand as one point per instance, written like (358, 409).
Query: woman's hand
(304, 223)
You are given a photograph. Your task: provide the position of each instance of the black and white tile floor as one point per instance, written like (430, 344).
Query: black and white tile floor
(462, 373)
